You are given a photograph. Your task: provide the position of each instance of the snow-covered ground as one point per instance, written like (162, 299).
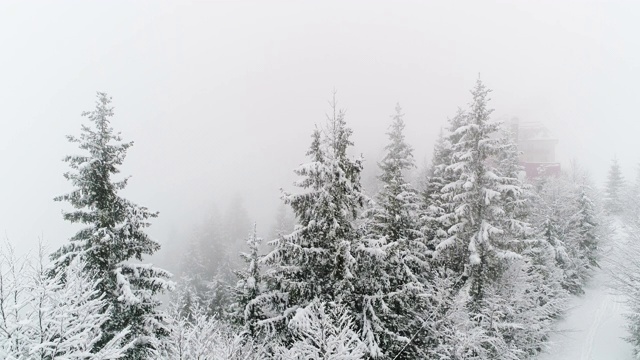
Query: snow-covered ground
(594, 326)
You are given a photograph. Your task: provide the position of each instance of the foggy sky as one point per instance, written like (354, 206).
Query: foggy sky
(221, 97)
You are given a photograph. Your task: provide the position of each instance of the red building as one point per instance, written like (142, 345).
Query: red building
(537, 148)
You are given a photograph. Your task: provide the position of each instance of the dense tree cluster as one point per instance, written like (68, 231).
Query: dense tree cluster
(475, 264)
(471, 263)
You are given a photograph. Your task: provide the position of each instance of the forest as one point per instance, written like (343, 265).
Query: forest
(469, 260)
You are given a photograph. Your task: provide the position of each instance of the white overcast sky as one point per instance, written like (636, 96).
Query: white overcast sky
(220, 97)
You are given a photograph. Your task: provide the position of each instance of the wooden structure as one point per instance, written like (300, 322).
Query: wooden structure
(537, 148)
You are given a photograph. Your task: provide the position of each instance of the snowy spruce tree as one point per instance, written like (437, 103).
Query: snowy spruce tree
(431, 204)
(516, 201)
(246, 309)
(586, 222)
(315, 261)
(567, 219)
(498, 282)
(477, 238)
(392, 259)
(614, 189)
(437, 210)
(113, 235)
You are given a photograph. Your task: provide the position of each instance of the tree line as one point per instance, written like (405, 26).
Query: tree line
(474, 262)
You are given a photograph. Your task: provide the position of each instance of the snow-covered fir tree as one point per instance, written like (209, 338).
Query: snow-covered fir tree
(315, 261)
(185, 299)
(614, 189)
(516, 201)
(113, 235)
(322, 331)
(437, 210)
(434, 176)
(392, 270)
(517, 312)
(491, 272)
(477, 238)
(586, 223)
(246, 309)
(553, 212)
(568, 217)
(430, 191)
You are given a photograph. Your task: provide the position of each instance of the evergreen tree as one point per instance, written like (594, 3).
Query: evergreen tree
(517, 313)
(247, 312)
(438, 213)
(322, 331)
(586, 223)
(615, 188)
(476, 196)
(516, 196)
(392, 259)
(441, 174)
(554, 214)
(434, 182)
(113, 235)
(185, 299)
(508, 156)
(315, 261)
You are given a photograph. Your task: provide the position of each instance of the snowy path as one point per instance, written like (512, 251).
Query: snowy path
(594, 326)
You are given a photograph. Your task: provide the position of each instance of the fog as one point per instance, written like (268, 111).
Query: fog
(221, 97)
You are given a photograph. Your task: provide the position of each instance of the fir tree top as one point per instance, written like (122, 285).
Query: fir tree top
(113, 235)
(399, 154)
(114, 221)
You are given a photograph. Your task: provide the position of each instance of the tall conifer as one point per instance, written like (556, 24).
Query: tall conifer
(113, 234)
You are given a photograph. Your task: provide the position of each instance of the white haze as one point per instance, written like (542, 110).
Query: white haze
(220, 97)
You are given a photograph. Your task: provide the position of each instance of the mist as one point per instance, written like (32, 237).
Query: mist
(273, 239)
(221, 97)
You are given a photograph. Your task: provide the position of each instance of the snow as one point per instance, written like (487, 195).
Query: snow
(594, 327)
